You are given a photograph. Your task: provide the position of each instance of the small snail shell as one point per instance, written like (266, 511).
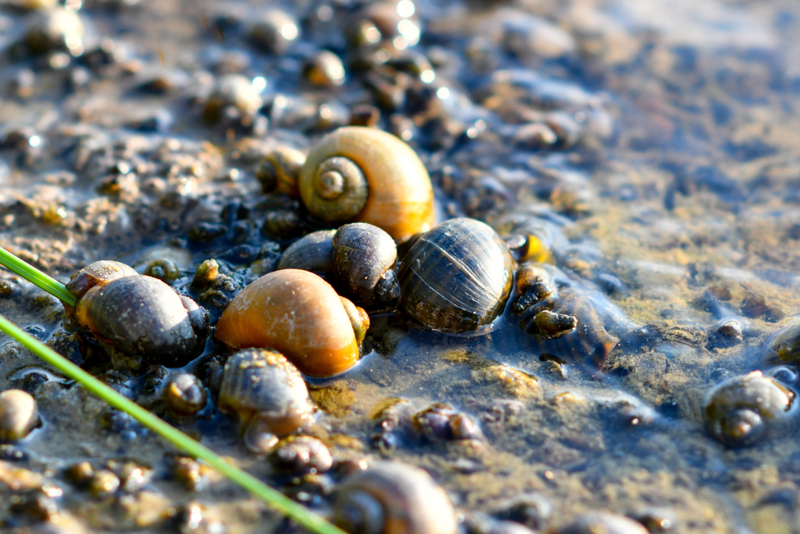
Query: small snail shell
(313, 252)
(456, 277)
(360, 257)
(185, 394)
(300, 455)
(297, 313)
(139, 316)
(784, 345)
(367, 175)
(393, 498)
(363, 255)
(267, 393)
(18, 414)
(278, 170)
(746, 409)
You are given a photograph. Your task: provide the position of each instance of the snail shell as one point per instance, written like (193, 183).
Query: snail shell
(456, 277)
(18, 414)
(297, 313)
(393, 498)
(743, 410)
(139, 316)
(267, 393)
(360, 257)
(784, 345)
(367, 175)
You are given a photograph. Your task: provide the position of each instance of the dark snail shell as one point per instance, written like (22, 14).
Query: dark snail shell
(393, 498)
(360, 257)
(363, 257)
(299, 314)
(456, 277)
(139, 316)
(367, 175)
(313, 252)
(744, 410)
(268, 395)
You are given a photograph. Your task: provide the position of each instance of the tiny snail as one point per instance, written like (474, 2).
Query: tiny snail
(185, 394)
(268, 395)
(784, 345)
(18, 414)
(393, 498)
(367, 175)
(456, 277)
(139, 316)
(299, 314)
(361, 257)
(744, 410)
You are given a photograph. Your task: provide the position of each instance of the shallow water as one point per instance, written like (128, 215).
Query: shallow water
(654, 142)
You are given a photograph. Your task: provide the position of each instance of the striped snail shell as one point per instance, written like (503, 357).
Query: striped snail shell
(456, 277)
(367, 175)
(268, 395)
(393, 498)
(299, 314)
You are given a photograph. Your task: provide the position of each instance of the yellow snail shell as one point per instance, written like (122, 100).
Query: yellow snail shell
(368, 175)
(298, 314)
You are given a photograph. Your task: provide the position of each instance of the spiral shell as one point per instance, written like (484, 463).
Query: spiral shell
(393, 498)
(367, 175)
(297, 313)
(267, 393)
(457, 277)
(744, 410)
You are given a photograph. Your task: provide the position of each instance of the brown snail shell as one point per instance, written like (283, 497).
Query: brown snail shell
(313, 252)
(139, 316)
(456, 277)
(367, 175)
(278, 170)
(268, 395)
(393, 498)
(297, 313)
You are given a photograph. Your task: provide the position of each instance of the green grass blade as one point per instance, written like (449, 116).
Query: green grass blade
(277, 500)
(37, 277)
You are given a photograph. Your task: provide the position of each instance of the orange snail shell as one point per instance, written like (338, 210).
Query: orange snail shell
(296, 313)
(393, 188)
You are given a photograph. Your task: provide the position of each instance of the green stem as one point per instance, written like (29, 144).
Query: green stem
(37, 277)
(280, 502)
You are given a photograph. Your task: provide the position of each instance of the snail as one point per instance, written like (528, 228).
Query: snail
(393, 498)
(784, 345)
(744, 410)
(360, 256)
(367, 175)
(185, 394)
(299, 314)
(299, 455)
(268, 395)
(456, 277)
(139, 316)
(18, 414)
